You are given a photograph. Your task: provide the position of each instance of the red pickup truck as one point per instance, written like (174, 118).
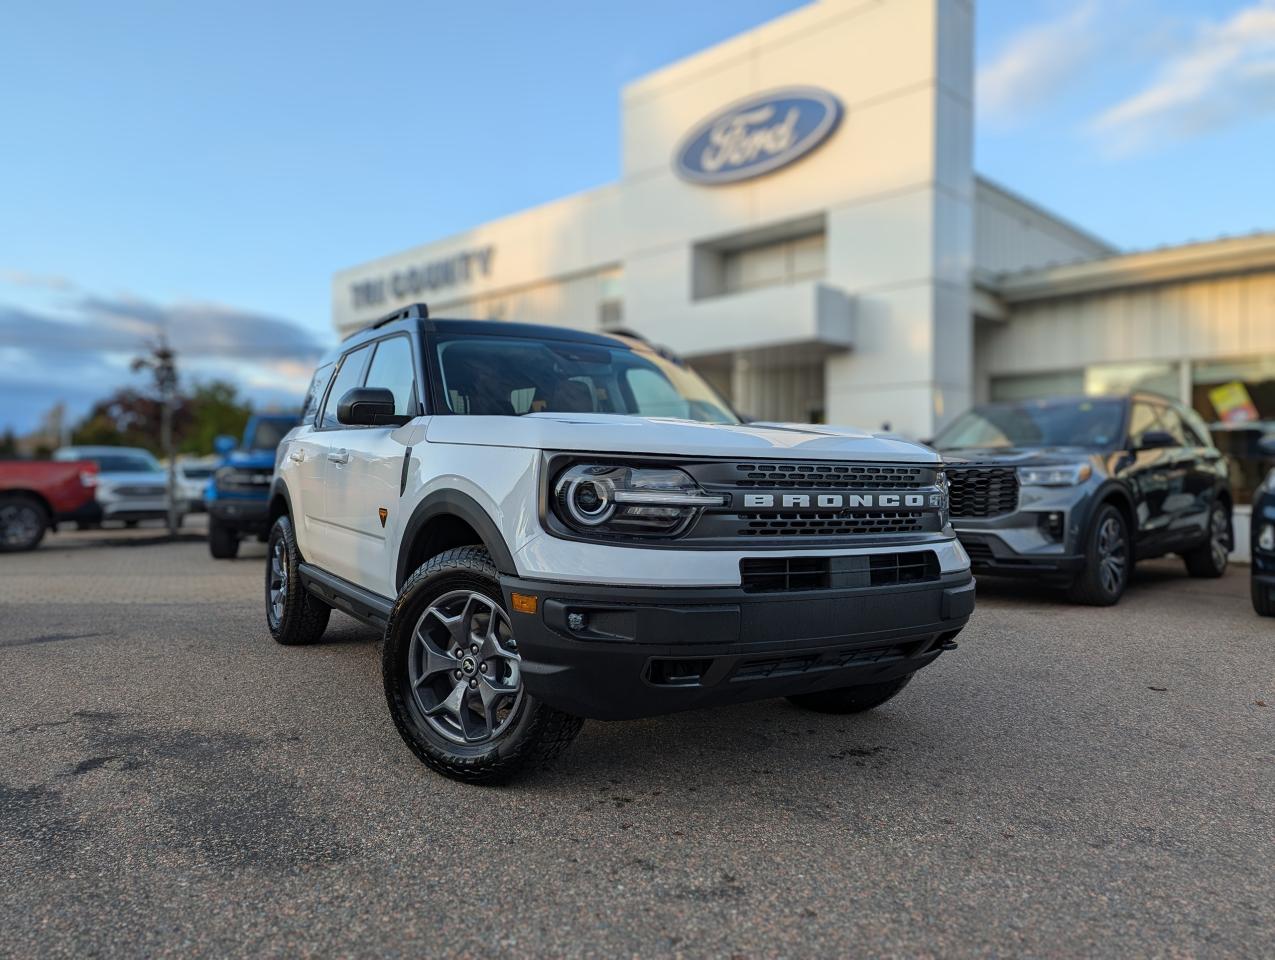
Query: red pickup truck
(36, 495)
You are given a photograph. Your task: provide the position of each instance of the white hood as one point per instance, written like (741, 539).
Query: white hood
(609, 433)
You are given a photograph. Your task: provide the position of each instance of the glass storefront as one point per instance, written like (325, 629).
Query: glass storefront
(1236, 398)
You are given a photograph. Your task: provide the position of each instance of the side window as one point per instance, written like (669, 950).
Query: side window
(1141, 420)
(393, 369)
(1197, 433)
(1172, 423)
(314, 396)
(349, 376)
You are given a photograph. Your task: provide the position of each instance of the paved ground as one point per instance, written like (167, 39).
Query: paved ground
(1071, 782)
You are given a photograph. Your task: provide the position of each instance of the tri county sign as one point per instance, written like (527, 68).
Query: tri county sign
(757, 136)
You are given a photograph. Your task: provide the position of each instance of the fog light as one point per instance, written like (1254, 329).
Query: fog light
(575, 621)
(1266, 538)
(1051, 524)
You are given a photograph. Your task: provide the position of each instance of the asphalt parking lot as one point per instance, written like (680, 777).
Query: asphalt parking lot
(1070, 782)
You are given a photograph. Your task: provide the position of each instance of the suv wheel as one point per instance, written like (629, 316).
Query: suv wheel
(294, 615)
(22, 524)
(1263, 598)
(1210, 558)
(851, 699)
(453, 676)
(223, 541)
(1108, 560)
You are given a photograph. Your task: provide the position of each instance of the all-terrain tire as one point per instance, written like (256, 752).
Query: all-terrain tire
(530, 735)
(851, 699)
(1209, 559)
(1108, 560)
(23, 522)
(223, 541)
(294, 615)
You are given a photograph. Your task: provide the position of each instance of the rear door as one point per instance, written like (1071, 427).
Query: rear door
(365, 475)
(300, 459)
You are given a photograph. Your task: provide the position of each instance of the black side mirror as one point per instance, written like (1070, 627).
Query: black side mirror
(1157, 440)
(369, 407)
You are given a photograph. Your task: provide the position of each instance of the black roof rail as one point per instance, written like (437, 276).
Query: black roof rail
(626, 332)
(413, 311)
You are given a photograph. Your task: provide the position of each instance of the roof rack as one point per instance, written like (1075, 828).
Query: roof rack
(413, 311)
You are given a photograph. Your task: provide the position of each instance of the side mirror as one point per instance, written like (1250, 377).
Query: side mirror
(225, 444)
(1157, 440)
(369, 407)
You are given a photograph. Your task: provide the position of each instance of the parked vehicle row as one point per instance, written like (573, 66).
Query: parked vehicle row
(237, 493)
(35, 496)
(132, 485)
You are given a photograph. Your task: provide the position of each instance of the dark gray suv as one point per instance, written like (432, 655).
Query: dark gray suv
(1072, 490)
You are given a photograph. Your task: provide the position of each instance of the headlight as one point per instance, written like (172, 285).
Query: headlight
(1058, 475)
(1266, 538)
(620, 500)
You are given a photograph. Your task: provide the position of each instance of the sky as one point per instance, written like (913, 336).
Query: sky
(206, 168)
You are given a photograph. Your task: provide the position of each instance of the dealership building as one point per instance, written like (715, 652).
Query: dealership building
(798, 216)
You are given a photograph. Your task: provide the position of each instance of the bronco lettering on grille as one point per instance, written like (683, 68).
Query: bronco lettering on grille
(841, 501)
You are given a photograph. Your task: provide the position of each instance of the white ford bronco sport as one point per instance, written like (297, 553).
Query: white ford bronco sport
(551, 525)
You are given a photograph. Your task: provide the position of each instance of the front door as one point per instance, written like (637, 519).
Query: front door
(1156, 479)
(365, 476)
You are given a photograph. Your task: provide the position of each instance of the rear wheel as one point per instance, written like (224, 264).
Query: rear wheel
(23, 522)
(453, 676)
(1209, 559)
(1263, 598)
(223, 541)
(851, 699)
(1108, 560)
(295, 616)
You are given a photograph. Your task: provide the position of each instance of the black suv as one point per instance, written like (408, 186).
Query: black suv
(1073, 490)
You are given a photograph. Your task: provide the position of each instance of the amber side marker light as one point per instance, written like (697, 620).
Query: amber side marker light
(524, 602)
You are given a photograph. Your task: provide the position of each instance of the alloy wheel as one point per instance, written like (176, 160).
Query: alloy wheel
(19, 524)
(464, 668)
(1219, 538)
(1113, 560)
(278, 579)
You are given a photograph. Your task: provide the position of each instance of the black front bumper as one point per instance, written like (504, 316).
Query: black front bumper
(637, 652)
(246, 516)
(991, 555)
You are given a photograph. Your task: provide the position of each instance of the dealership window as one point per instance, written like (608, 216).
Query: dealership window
(1236, 398)
(765, 257)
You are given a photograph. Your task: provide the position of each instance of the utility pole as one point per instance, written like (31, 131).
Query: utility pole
(162, 362)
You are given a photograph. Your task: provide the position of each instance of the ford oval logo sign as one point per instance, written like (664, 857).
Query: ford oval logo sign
(758, 135)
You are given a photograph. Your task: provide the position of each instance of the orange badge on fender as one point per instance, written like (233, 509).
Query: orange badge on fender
(383, 514)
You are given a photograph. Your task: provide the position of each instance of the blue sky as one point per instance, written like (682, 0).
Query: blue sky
(211, 165)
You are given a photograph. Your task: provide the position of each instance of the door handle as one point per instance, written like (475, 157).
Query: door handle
(296, 455)
(339, 456)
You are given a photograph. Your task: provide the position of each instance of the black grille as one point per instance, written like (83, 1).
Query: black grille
(982, 491)
(784, 574)
(979, 552)
(762, 667)
(140, 491)
(811, 524)
(822, 476)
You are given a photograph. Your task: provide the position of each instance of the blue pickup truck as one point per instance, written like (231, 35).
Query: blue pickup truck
(238, 493)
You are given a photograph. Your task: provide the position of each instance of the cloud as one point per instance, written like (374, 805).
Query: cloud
(1037, 64)
(1223, 76)
(43, 281)
(81, 352)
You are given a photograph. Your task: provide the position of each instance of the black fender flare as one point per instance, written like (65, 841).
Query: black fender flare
(464, 507)
(1113, 490)
(280, 489)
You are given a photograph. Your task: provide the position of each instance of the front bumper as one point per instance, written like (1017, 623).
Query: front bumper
(645, 651)
(248, 516)
(990, 553)
(139, 509)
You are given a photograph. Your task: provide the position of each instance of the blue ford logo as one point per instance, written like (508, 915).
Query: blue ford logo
(757, 135)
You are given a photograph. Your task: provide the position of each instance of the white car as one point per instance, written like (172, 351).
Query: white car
(193, 475)
(551, 525)
(132, 486)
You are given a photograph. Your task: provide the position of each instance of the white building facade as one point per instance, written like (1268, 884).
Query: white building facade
(798, 216)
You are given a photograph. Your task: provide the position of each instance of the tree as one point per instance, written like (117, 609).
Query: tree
(214, 409)
(8, 444)
(130, 418)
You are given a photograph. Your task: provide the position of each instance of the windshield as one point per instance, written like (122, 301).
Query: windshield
(125, 463)
(509, 376)
(1037, 423)
(269, 434)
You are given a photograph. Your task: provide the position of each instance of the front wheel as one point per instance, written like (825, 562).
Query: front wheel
(453, 676)
(1108, 560)
(294, 615)
(23, 522)
(851, 699)
(1209, 559)
(223, 541)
